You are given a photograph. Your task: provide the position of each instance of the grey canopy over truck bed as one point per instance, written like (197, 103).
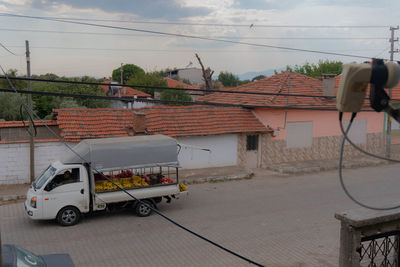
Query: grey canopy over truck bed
(125, 152)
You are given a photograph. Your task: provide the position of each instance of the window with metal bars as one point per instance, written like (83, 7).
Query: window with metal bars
(252, 142)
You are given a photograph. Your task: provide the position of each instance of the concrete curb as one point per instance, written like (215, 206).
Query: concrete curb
(11, 199)
(212, 179)
(328, 167)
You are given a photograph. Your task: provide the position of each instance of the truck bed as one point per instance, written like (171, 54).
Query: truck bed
(140, 193)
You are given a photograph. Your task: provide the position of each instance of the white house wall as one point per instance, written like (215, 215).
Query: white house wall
(14, 163)
(224, 149)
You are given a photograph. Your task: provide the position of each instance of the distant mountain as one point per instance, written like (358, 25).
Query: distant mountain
(251, 75)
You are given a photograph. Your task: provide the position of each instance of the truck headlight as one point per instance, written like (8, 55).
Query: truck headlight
(33, 202)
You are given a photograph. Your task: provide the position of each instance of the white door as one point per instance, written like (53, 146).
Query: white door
(66, 189)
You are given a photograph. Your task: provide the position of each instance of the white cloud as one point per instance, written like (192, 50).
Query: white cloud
(3, 8)
(17, 2)
(177, 52)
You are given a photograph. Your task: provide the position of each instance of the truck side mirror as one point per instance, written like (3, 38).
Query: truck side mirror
(49, 186)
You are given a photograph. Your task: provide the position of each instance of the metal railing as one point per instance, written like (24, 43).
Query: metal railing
(369, 238)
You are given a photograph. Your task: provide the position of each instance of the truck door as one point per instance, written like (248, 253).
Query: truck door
(67, 188)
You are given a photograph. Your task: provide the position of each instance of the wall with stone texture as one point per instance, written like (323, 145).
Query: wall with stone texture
(275, 151)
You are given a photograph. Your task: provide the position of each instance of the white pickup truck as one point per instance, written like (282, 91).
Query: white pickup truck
(146, 166)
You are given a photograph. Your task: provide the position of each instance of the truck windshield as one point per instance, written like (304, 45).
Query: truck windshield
(46, 175)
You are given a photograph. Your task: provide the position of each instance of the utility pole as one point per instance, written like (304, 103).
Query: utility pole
(31, 130)
(122, 73)
(389, 118)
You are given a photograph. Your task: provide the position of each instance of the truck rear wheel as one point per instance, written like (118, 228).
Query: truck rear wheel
(68, 216)
(143, 208)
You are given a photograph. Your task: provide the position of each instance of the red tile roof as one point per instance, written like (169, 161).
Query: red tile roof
(286, 82)
(77, 124)
(201, 120)
(27, 141)
(175, 83)
(13, 124)
(105, 87)
(130, 92)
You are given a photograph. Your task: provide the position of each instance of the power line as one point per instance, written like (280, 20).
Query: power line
(157, 101)
(183, 23)
(165, 87)
(174, 88)
(227, 37)
(8, 50)
(172, 50)
(185, 36)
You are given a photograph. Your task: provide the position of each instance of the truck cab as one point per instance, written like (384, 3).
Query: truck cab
(59, 186)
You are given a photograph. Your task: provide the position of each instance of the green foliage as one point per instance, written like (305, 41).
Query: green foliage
(186, 81)
(316, 70)
(130, 71)
(9, 102)
(259, 77)
(228, 79)
(10, 106)
(148, 79)
(45, 104)
(175, 95)
(243, 82)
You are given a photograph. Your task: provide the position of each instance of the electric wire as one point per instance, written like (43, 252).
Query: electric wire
(128, 193)
(362, 150)
(166, 87)
(185, 36)
(28, 129)
(227, 37)
(212, 24)
(342, 184)
(176, 51)
(8, 50)
(173, 102)
(173, 88)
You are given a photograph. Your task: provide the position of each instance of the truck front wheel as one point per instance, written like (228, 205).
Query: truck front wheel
(68, 216)
(143, 208)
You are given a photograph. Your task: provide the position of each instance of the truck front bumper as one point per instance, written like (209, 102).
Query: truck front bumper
(32, 212)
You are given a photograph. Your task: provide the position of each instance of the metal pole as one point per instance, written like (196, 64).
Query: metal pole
(122, 74)
(389, 118)
(31, 130)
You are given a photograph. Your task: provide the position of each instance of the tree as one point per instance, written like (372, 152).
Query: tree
(322, 67)
(148, 79)
(129, 71)
(243, 82)
(10, 106)
(258, 77)
(228, 79)
(10, 102)
(175, 95)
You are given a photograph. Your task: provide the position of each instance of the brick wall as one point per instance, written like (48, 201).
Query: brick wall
(14, 163)
(275, 151)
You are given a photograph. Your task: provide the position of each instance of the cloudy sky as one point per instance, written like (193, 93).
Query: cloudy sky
(76, 49)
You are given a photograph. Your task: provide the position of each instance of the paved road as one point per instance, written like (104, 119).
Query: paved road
(277, 221)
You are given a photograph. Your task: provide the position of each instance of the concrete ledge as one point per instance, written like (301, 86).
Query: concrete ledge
(216, 179)
(322, 165)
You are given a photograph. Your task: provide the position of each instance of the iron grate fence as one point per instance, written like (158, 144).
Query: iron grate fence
(381, 250)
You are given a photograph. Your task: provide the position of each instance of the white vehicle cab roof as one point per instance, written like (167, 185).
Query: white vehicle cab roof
(125, 152)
